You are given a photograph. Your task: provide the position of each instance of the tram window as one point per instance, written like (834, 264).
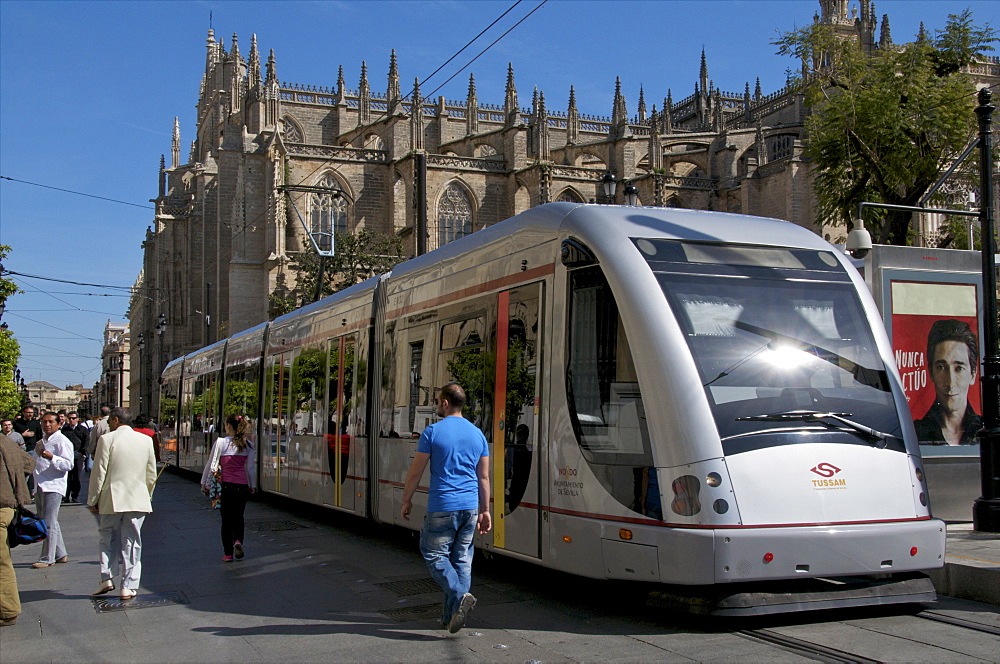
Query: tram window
(607, 405)
(308, 391)
(241, 390)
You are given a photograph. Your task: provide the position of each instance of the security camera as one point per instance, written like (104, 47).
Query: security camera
(859, 241)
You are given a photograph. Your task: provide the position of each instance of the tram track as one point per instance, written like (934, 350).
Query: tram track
(958, 622)
(813, 651)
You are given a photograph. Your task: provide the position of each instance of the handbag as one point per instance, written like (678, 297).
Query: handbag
(214, 487)
(26, 527)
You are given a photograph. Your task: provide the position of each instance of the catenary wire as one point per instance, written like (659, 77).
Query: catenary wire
(78, 193)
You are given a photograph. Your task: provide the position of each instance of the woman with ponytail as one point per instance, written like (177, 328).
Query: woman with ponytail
(234, 456)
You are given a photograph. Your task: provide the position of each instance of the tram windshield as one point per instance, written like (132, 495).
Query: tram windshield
(779, 337)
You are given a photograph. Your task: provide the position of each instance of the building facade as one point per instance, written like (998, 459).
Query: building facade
(114, 387)
(271, 160)
(45, 396)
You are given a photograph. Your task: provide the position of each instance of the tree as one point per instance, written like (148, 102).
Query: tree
(10, 350)
(883, 127)
(358, 256)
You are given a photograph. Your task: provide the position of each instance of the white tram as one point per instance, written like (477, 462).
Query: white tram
(679, 397)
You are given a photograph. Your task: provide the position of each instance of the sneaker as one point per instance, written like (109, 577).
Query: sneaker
(227, 559)
(457, 621)
(238, 547)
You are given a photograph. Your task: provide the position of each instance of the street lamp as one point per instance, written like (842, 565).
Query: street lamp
(631, 194)
(610, 184)
(986, 509)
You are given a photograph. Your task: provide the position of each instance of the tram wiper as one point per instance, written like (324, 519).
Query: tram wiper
(862, 374)
(874, 436)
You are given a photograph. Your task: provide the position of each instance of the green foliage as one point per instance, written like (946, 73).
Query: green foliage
(10, 392)
(241, 398)
(358, 256)
(10, 350)
(884, 127)
(473, 369)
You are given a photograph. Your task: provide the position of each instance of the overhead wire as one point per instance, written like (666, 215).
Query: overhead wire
(78, 193)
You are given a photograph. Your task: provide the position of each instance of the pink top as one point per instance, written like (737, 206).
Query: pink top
(234, 468)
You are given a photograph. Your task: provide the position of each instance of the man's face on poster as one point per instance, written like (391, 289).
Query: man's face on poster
(952, 375)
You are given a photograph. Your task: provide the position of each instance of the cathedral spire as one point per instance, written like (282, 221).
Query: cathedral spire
(364, 97)
(393, 94)
(885, 37)
(510, 108)
(341, 89)
(253, 68)
(756, 91)
(540, 126)
(175, 144)
(619, 114)
(416, 118)
(703, 72)
(642, 105)
(655, 148)
(572, 119)
(668, 113)
(471, 108)
(234, 50)
(272, 92)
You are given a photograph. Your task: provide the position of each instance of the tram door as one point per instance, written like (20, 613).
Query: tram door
(341, 429)
(515, 465)
(274, 449)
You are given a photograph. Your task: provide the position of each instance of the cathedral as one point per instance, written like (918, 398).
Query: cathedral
(272, 162)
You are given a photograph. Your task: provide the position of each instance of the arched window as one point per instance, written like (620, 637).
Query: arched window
(293, 134)
(327, 212)
(454, 214)
(570, 195)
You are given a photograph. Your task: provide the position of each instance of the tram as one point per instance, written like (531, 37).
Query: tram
(700, 400)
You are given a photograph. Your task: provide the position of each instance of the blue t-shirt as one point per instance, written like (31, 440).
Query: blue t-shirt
(455, 445)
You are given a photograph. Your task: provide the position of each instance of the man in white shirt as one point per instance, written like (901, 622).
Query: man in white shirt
(55, 459)
(121, 488)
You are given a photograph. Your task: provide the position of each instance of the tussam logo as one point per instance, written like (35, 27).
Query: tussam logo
(827, 470)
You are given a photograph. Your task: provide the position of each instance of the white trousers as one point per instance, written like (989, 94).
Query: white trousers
(121, 547)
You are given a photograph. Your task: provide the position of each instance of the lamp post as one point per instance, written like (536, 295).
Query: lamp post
(141, 345)
(986, 509)
(631, 194)
(610, 184)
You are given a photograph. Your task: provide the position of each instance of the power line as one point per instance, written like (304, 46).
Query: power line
(64, 281)
(78, 193)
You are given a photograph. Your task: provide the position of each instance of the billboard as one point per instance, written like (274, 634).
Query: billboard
(936, 345)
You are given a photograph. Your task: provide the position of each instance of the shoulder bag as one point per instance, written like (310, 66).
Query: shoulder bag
(26, 527)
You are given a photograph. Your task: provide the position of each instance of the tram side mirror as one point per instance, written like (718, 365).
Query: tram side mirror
(859, 241)
(576, 254)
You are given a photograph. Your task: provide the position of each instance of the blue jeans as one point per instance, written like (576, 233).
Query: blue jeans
(446, 544)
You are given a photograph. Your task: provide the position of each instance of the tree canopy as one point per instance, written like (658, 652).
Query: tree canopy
(358, 256)
(884, 126)
(10, 350)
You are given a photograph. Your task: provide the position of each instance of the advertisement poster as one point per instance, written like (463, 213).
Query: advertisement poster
(935, 338)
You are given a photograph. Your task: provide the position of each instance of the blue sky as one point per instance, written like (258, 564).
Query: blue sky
(89, 92)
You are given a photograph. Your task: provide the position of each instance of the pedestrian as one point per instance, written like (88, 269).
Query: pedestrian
(15, 463)
(98, 428)
(7, 428)
(54, 459)
(144, 425)
(234, 455)
(121, 487)
(31, 430)
(77, 434)
(458, 501)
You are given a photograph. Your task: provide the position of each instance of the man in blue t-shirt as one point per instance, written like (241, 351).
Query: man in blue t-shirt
(458, 501)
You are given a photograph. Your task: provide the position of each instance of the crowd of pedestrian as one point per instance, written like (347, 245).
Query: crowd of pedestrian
(44, 458)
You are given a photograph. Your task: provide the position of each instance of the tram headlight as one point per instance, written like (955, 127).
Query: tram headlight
(686, 501)
(713, 479)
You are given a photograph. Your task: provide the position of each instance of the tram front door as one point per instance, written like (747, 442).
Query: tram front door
(515, 450)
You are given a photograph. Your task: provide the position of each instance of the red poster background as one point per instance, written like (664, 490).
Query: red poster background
(909, 345)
